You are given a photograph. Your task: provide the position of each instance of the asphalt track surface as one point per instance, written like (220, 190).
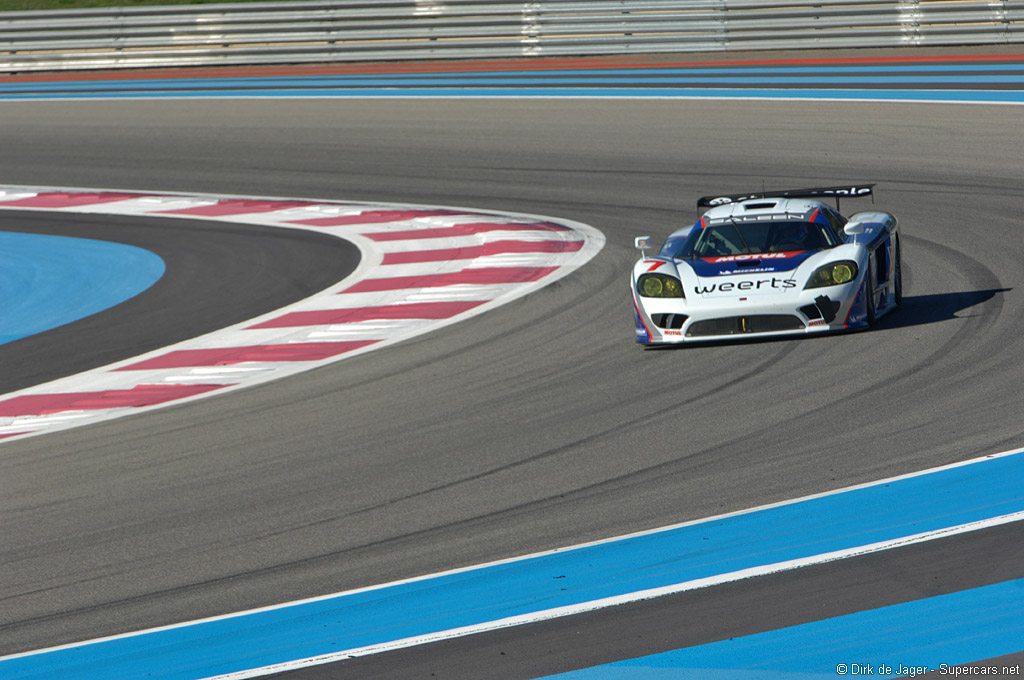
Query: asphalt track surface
(539, 424)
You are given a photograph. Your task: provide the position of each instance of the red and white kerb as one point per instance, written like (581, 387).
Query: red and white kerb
(422, 267)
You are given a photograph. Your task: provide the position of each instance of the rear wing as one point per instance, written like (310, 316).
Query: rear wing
(847, 191)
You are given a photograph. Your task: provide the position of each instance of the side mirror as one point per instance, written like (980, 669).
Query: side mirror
(643, 242)
(853, 228)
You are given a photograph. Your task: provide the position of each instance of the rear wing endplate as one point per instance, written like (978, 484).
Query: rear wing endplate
(846, 191)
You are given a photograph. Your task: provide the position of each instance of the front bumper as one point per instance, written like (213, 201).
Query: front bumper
(674, 321)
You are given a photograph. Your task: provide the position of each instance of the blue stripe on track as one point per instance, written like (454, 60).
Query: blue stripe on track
(504, 81)
(949, 82)
(886, 511)
(900, 640)
(49, 281)
(911, 74)
(977, 96)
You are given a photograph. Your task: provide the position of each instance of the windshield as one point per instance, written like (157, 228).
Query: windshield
(673, 246)
(751, 238)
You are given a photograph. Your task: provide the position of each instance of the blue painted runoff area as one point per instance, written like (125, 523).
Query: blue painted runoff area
(902, 640)
(935, 96)
(922, 74)
(502, 80)
(952, 82)
(49, 281)
(890, 510)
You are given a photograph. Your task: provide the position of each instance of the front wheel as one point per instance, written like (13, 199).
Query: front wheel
(898, 283)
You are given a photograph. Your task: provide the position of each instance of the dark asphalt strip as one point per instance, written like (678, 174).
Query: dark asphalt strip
(218, 274)
(693, 618)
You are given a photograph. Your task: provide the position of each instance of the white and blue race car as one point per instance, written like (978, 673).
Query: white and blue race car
(772, 263)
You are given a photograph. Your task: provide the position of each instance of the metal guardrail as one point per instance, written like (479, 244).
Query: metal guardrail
(381, 30)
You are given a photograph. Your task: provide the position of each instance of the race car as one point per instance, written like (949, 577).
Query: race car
(769, 264)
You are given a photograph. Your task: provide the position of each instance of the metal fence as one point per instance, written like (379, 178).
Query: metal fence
(379, 30)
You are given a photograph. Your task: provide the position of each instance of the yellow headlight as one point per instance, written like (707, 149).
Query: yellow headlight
(842, 273)
(653, 286)
(834, 274)
(659, 286)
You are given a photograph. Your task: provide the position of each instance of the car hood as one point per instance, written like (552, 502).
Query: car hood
(747, 275)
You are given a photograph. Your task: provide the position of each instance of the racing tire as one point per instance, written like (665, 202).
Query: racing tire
(897, 286)
(870, 301)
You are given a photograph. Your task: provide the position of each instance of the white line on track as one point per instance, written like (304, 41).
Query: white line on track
(593, 605)
(638, 596)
